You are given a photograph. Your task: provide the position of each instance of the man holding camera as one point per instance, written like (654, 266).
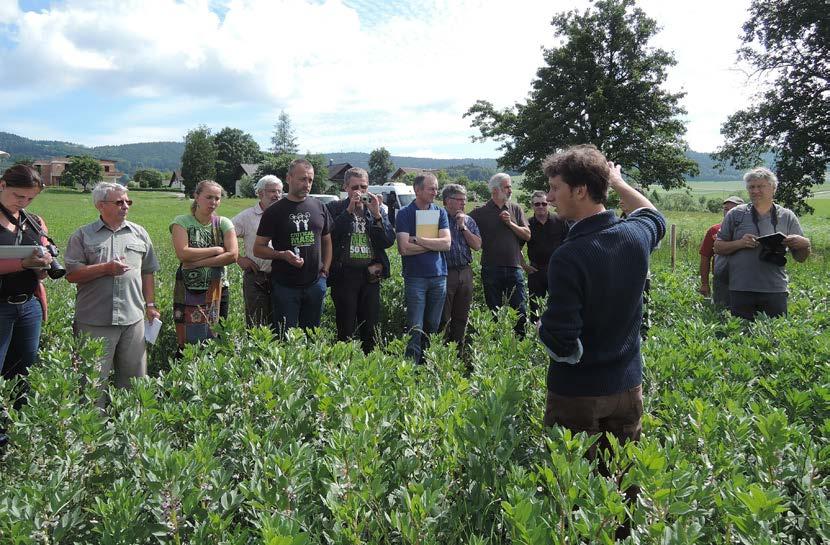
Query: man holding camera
(757, 277)
(113, 263)
(360, 235)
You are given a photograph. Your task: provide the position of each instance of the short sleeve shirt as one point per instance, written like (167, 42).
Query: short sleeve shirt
(707, 247)
(427, 264)
(201, 236)
(297, 227)
(460, 254)
(111, 300)
(499, 245)
(747, 272)
(246, 224)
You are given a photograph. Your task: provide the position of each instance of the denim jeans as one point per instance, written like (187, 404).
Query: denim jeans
(424, 305)
(505, 283)
(19, 341)
(297, 307)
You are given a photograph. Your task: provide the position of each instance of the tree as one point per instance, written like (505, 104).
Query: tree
(276, 165)
(321, 173)
(602, 85)
(83, 170)
(233, 147)
(284, 141)
(380, 166)
(787, 42)
(148, 177)
(199, 158)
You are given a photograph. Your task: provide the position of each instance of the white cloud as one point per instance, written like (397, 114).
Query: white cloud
(403, 75)
(9, 11)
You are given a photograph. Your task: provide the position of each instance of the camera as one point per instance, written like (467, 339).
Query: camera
(55, 269)
(773, 254)
(366, 198)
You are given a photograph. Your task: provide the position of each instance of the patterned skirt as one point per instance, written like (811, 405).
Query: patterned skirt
(196, 312)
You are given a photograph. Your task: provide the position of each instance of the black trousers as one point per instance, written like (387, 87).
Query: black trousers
(748, 304)
(537, 286)
(356, 306)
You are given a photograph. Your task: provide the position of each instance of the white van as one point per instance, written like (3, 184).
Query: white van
(396, 195)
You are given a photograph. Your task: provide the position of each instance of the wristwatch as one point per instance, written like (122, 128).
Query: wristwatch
(150, 305)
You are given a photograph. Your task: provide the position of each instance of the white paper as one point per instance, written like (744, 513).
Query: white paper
(151, 330)
(16, 252)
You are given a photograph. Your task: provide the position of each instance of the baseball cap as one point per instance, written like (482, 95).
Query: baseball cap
(734, 200)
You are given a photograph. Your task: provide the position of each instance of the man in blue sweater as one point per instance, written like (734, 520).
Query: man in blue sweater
(591, 328)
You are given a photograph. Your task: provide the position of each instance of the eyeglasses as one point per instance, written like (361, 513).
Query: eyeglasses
(540, 204)
(121, 202)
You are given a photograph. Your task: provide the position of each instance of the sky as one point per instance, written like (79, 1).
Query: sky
(353, 75)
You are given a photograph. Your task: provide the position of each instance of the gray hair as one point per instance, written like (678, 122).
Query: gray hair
(538, 193)
(355, 172)
(266, 180)
(419, 180)
(497, 179)
(102, 190)
(762, 173)
(452, 190)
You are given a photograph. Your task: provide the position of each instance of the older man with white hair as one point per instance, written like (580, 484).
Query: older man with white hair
(756, 238)
(113, 263)
(504, 229)
(256, 272)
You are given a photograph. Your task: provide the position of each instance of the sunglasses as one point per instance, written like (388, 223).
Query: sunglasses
(540, 204)
(121, 202)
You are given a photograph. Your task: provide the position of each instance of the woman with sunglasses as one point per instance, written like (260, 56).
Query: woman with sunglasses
(22, 296)
(204, 242)
(547, 232)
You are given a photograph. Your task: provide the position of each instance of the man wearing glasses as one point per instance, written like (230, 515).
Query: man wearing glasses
(465, 238)
(546, 234)
(113, 263)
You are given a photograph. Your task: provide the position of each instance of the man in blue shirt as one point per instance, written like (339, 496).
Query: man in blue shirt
(465, 238)
(591, 328)
(424, 264)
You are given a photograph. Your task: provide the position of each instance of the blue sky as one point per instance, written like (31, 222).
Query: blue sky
(352, 74)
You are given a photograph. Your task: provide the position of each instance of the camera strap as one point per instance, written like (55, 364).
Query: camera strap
(773, 218)
(16, 222)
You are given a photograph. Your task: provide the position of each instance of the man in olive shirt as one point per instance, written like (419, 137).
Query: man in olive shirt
(503, 230)
(113, 263)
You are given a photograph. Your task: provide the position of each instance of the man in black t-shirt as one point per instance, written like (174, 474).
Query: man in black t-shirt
(547, 232)
(298, 229)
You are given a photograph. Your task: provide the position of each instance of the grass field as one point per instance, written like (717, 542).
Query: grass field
(249, 440)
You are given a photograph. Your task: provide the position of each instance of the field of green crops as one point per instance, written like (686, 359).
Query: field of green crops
(250, 440)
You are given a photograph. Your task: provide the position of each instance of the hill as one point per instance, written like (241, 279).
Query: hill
(130, 157)
(167, 156)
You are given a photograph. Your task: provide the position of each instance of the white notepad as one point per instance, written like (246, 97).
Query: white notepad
(151, 330)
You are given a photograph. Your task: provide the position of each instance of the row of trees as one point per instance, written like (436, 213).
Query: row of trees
(604, 84)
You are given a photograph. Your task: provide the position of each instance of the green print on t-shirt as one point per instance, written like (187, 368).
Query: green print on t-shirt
(359, 247)
(303, 238)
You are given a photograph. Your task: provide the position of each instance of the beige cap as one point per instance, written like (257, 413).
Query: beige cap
(734, 200)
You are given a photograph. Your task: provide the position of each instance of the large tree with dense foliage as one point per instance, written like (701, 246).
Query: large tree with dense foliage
(84, 171)
(787, 43)
(149, 177)
(199, 157)
(380, 166)
(602, 85)
(233, 147)
(284, 140)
